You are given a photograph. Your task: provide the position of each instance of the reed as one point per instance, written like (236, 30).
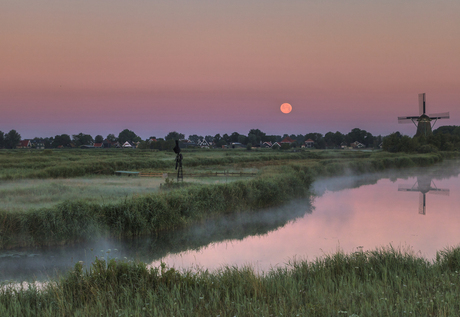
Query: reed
(382, 282)
(73, 221)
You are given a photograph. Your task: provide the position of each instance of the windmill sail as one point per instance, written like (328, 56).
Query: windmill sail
(443, 115)
(407, 119)
(421, 104)
(423, 122)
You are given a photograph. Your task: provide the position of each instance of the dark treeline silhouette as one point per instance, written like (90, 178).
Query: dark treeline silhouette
(445, 138)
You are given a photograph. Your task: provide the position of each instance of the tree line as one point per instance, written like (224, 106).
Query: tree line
(254, 137)
(443, 138)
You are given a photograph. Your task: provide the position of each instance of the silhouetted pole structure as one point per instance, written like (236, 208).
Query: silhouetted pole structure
(179, 157)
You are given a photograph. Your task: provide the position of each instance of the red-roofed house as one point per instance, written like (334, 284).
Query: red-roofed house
(357, 145)
(99, 145)
(24, 144)
(309, 143)
(267, 144)
(287, 140)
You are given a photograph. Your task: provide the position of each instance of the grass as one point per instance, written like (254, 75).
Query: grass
(78, 220)
(25, 194)
(383, 282)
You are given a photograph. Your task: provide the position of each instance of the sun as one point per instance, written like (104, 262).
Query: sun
(286, 108)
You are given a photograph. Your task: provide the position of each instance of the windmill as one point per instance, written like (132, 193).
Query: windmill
(423, 121)
(423, 185)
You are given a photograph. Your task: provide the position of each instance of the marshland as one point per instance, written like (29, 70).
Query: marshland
(313, 233)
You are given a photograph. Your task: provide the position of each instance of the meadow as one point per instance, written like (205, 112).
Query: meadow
(383, 282)
(65, 211)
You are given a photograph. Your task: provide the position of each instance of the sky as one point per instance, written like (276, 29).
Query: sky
(206, 67)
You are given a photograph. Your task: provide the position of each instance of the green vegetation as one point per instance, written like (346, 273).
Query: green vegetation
(282, 177)
(383, 282)
(445, 138)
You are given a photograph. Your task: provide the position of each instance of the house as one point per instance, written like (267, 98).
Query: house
(204, 144)
(127, 145)
(99, 145)
(237, 145)
(287, 140)
(266, 145)
(185, 143)
(108, 144)
(357, 145)
(309, 143)
(24, 144)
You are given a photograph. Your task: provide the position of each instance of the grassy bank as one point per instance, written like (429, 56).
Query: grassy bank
(74, 163)
(73, 221)
(384, 282)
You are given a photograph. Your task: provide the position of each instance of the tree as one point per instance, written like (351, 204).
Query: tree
(362, 136)
(12, 139)
(234, 137)
(226, 138)
(128, 135)
(273, 138)
(2, 140)
(208, 138)
(242, 139)
(195, 138)
(260, 136)
(61, 140)
(221, 143)
(330, 140)
(82, 139)
(174, 136)
(111, 137)
(252, 139)
(99, 139)
(143, 145)
(217, 138)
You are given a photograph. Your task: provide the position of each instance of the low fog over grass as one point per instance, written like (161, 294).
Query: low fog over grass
(26, 194)
(38, 193)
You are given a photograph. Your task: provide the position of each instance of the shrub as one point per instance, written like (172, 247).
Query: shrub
(427, 148)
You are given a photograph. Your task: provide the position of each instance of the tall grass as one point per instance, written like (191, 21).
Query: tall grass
(383, 282)
(73, 221)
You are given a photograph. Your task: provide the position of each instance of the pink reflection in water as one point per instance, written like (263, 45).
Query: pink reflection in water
(370, 216)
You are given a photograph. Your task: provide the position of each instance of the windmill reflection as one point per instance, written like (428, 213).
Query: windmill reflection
(424, 185)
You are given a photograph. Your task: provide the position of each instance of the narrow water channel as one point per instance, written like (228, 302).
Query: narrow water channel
(414, 209)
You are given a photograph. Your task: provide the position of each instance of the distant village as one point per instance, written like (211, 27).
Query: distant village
(127, 139)
(444, 138)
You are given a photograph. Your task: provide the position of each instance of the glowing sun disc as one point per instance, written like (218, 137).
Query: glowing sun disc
(286, 108)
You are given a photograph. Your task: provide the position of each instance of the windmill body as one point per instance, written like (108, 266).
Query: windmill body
(424, 122)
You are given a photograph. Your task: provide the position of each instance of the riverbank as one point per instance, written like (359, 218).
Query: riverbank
(383, 282)
(70, 222)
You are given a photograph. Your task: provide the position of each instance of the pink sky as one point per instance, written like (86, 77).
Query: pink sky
(210, 67)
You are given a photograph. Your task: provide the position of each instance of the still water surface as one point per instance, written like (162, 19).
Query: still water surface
(413, 208)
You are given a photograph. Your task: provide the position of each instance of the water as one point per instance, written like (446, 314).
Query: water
(415, 209)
